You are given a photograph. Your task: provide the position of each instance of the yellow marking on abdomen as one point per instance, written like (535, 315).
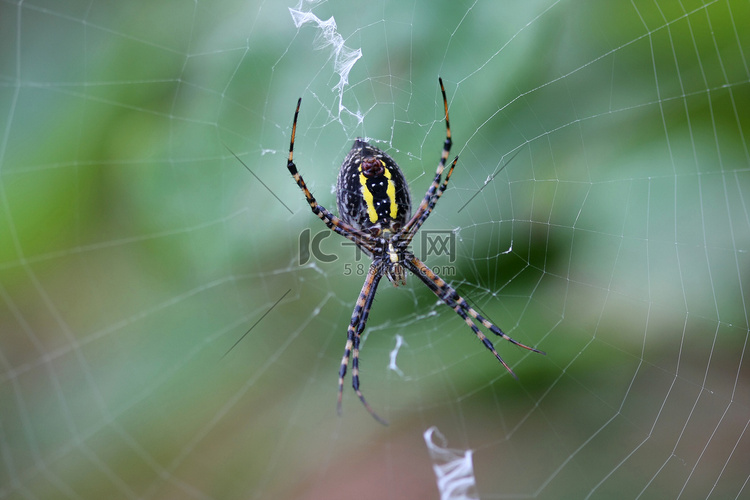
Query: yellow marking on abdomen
(391, 192)
(369, 200)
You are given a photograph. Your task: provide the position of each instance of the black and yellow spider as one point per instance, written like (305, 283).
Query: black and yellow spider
(375, 213)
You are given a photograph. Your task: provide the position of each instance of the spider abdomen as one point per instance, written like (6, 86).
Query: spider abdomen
(371, 192)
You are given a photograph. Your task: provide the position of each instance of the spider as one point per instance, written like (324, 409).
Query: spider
(374, 207)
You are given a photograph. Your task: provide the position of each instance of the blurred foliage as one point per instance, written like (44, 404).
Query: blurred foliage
(135, 249)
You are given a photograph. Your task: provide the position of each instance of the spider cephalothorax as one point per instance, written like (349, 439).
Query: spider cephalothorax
(375, 213)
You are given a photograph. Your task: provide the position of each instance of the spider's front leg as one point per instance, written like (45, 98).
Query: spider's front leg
(354, 333)
(452, 299)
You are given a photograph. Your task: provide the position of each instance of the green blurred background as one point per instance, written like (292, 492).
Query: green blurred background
(135, 249)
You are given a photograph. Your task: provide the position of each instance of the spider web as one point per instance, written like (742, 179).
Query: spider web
(172, 328)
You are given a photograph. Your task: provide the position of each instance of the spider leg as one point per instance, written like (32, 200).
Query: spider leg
(412, 230)
(450, 297)
(417, 219)
(334, 223)
(353, 335)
